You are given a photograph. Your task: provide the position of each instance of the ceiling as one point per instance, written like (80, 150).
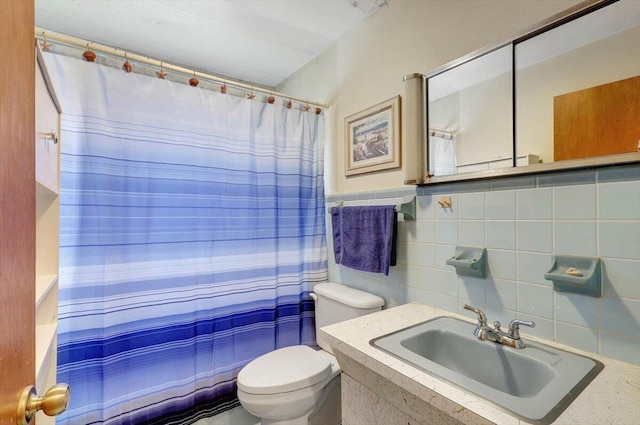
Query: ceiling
(260, 42)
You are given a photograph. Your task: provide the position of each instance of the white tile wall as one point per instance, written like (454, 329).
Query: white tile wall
(523, 222)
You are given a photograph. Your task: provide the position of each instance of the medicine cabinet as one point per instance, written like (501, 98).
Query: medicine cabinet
(562, 94)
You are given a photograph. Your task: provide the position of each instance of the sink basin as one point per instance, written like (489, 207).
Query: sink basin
(535, 383)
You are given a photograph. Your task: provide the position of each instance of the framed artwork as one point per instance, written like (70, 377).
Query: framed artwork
(372, 138)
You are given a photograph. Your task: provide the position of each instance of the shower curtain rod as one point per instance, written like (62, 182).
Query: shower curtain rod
(42, 34)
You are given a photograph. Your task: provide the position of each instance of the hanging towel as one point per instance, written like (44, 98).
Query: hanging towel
(364, 238)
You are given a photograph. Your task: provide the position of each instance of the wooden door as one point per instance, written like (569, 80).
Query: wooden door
(17, 204)
(598, 121)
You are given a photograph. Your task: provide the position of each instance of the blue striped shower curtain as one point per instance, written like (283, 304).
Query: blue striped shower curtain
(192, 229)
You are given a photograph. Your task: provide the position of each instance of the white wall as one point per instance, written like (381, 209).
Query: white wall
(366, 65)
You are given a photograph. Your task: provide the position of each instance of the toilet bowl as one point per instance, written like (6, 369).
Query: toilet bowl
(289, 385)
(299, 385)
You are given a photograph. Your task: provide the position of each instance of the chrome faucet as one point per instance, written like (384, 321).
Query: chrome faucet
(485, 333)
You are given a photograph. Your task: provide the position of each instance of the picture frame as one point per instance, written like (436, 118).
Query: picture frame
(372, 138)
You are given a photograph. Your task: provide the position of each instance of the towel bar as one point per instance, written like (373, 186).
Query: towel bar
(405, 205)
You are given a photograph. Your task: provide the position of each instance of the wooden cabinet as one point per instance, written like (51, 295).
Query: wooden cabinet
(47, 231)
(598, 121)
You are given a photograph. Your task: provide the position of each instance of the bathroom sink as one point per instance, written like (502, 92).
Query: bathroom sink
(535, 383)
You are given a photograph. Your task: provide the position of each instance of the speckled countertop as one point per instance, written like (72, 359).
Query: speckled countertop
(613, 397)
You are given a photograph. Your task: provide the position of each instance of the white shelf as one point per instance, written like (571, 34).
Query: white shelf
(43, 286)
(45, 339)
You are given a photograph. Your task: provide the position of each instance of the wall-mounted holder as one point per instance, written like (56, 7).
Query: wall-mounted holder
(578, 275)
(469, 261)
(405, 205)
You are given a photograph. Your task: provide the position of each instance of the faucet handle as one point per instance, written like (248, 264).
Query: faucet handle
(514, 327)
(482, 319)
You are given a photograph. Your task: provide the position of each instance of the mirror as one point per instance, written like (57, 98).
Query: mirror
(574, 99)
(578, 87)
(470, 115)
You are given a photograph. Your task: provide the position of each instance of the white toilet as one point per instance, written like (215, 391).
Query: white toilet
(299, 385)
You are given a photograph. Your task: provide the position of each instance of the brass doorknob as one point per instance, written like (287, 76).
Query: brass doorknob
(53, 403)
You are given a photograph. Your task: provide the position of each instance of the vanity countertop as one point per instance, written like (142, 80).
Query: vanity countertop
(613, 397)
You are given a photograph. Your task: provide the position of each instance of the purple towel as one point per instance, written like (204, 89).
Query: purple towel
(364, 237)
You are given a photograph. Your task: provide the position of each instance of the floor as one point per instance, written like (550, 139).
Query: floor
(237, 416)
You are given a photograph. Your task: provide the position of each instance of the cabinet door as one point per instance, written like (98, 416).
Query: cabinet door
(47, 132)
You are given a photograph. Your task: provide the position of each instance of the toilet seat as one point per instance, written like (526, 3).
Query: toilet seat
(284, 370)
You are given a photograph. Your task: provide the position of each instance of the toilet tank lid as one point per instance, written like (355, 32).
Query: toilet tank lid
(348, 296)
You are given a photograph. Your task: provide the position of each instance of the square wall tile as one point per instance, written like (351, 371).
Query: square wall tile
(421, 297)
(576, 309)
(501, 315)
(623, 349)
(447, 283)
(443, 253)
(619, 201)
(620, 316)
(501, 264)
(447, 232)
(619, 239)
(535, 236)
(471, 233)
(429, 282)
(500, 205)
(535, 300)
(532, 267)
(420, 277)
(402, 249)
(419, 254)
(621, 278)
(574, 203)
(467, 313)
(472, 289)
(471, 206)
(501, 234)
(398, 275)
(425, 231)
(446, 303)
(425, 207)
(501, 294)
(534, 204)
(544, 327)
(575, 237)
(389, 292)
(575, 336)
(406, 231)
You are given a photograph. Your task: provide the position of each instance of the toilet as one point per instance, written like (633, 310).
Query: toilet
(299, 385)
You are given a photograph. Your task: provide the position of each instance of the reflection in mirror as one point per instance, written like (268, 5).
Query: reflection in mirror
(470, 115)
(578, 86)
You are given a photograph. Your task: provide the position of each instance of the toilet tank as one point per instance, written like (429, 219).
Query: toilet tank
(336, 303)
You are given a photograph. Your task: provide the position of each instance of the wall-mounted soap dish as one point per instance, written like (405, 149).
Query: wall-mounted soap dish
(469, 261)
(579, 275)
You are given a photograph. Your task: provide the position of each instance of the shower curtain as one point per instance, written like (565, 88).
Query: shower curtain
(191, 231)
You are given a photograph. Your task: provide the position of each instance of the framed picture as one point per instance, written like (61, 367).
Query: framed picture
(372, 138)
